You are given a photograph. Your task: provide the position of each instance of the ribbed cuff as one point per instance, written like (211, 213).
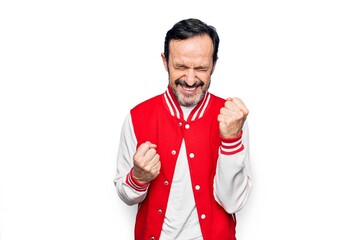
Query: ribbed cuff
(231, 146)
(132, 182)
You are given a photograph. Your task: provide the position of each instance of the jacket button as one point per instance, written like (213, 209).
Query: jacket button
(180, 124)
(203, 216)
(152, 238)
(197, 187)
(191, 155)
(187, 126)
(173, 152)
(159, 211)
(166, 183)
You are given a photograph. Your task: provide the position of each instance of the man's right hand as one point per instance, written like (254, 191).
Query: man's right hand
(146, 163)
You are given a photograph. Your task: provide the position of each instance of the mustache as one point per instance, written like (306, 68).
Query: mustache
(184, 84)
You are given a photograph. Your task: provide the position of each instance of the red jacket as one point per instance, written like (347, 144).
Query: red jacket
(158, 120)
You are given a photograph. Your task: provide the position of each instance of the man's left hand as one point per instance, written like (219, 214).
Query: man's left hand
(232, 117)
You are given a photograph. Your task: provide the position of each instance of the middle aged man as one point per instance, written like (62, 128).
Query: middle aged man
(184, 154)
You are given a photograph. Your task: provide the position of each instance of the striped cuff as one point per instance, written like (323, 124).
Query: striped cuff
(231, 146)
(136, 185)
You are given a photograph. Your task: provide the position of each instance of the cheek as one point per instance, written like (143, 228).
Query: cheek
(175, 75)
(204, 77)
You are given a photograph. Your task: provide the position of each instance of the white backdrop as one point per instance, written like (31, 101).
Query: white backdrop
(71, 70)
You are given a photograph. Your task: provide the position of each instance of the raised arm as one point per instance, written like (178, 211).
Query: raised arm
(232, 181)
(128, 188)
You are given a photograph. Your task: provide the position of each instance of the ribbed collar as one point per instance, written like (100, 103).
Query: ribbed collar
(176, 111)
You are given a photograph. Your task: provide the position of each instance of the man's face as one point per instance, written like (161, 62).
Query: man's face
(190, 67)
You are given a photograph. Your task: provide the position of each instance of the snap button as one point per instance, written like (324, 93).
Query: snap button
(180, 124)
(159, 211)
(166, 183)
(173, 152)
(197, 187)
(203, 216)
(187, 126)
(152, 238)
(191, 155)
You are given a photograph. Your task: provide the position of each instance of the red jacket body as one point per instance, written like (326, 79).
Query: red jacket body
(154, 121)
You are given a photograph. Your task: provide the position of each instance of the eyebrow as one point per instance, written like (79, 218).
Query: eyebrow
(187, 67)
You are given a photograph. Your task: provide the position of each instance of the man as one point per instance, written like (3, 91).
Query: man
(184, 154)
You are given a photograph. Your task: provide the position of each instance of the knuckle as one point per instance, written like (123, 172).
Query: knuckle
(152, 151)
(136, 155)
(143, 145)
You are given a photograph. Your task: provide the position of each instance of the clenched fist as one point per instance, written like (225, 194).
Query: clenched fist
(232, 117)
(146, 163)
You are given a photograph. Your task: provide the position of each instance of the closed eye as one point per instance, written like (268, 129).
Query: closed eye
(181, 67)
(202, 69)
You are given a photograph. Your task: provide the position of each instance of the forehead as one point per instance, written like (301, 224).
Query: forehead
(198, 47)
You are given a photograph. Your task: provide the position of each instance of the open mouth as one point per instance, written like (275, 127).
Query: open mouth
(190, 89)
(186, 89)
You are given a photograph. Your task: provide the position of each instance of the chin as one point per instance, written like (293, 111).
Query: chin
(187, 101)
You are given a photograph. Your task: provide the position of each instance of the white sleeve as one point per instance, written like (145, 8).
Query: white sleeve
(128, 189)
(232, 181)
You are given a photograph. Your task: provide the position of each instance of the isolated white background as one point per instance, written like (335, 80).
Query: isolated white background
(71, 70)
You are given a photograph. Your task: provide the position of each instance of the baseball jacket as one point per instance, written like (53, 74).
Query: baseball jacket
(219, 168)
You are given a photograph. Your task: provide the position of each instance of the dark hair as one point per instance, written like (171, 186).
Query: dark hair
(188, 28)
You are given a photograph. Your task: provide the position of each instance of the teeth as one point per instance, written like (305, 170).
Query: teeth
(190, 89)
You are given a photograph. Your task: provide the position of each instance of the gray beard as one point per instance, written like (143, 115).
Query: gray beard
(183, 100)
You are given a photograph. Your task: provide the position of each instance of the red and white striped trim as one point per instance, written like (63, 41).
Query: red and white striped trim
(231, 146)
(132, 182)
(176, 111)
(200, 111)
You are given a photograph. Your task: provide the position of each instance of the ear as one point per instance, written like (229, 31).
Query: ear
(164, 61)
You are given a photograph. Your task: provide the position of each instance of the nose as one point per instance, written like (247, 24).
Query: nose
(190, 77)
